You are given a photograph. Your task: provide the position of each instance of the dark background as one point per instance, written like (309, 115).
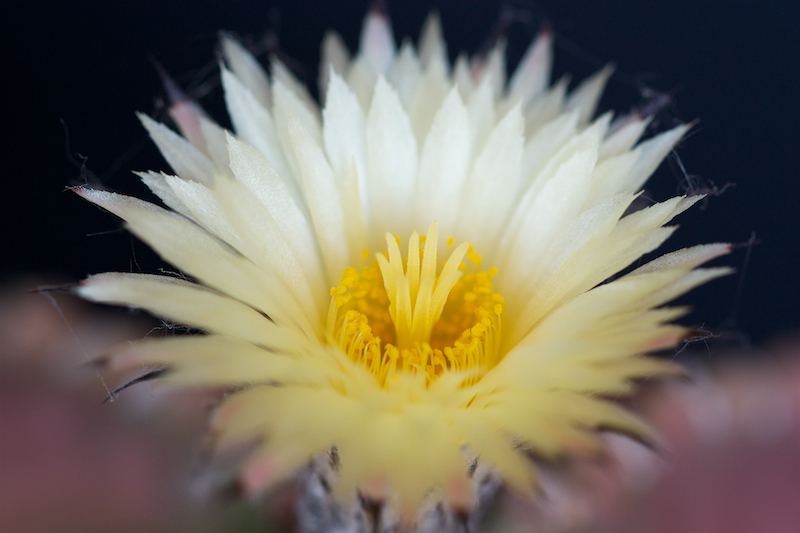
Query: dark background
(731, 64)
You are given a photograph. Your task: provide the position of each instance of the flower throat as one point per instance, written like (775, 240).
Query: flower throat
(394, 320)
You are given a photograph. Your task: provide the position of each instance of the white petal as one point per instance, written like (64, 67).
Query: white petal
(216, 146)
(533, 73)
(288, 104)
(545, 143)
(205, 210)
(254, 125)
(324, 200)
(585, 97)
(392, 162)
(494, 68)
(546, 107)
(639, 233)
(267, 247)
(405, 72)
(354, 214)
(427, 99)
(609, 176)
(462, 78)
(187, 114)
(432, 48)
(256, 174)
(492, 187)
(334, 55)
(588, 141)
(686, 259)
(622, 138)
(443, 167)
(280, 73)
(248, 70)
(684, 284)
(632, 237)
(653, 151)
(590, 138)
(590, 225)
(554, 208)
(376, 45)
(157, 183)
(481, 115)
(184, 158)
(361, 80)
(343, 125)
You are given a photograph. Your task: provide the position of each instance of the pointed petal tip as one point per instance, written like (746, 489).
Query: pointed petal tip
(377, 44)
(96, 196)
(146, 120)
(80, 190)
(379, 8)
(175, 94)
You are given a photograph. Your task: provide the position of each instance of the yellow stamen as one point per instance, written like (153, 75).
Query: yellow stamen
(395, 320)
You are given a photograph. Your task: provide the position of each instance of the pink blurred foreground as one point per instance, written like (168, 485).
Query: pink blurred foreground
(730, 460)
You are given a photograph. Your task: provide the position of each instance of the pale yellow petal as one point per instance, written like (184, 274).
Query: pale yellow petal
(186, 303)
(198, 254)
(220, 361)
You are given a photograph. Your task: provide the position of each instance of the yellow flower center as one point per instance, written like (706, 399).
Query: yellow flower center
(418, 319)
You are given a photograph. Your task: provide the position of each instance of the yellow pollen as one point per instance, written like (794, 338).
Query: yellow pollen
(419, 319)
(450, 241)
(472, 256)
